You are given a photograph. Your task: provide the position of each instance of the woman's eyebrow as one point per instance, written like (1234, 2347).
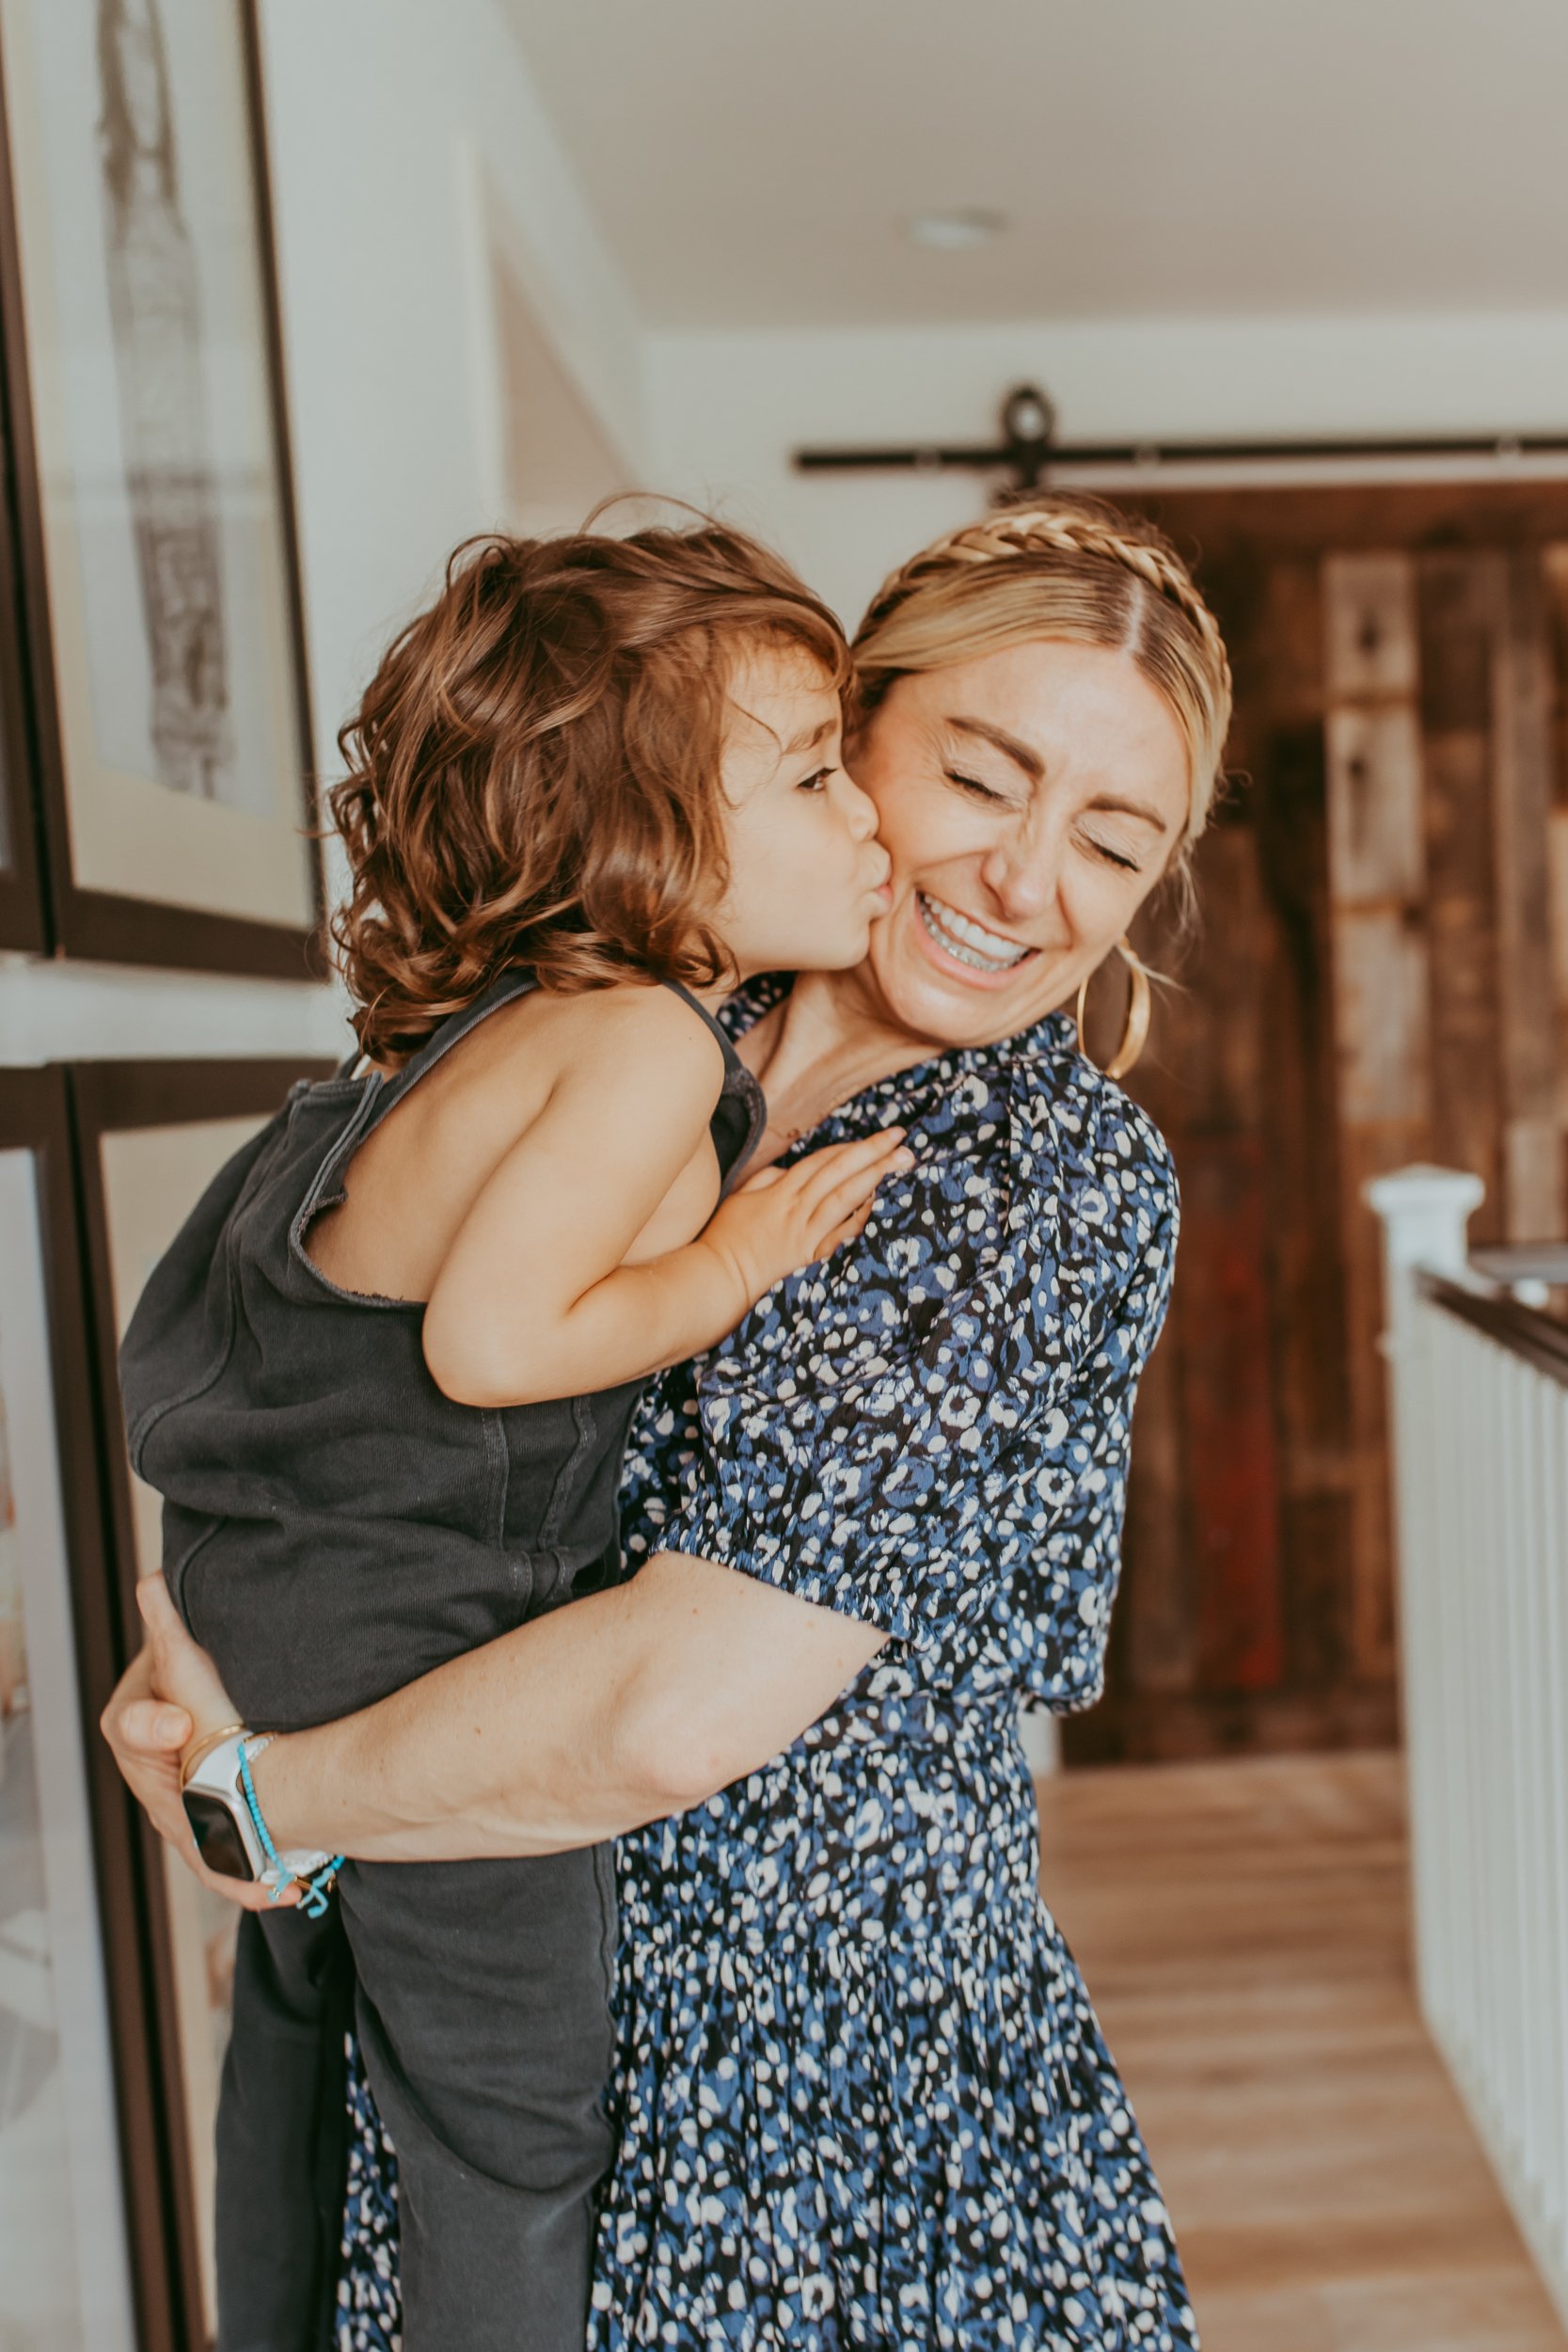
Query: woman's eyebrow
(1008, 745)
(1130, 808)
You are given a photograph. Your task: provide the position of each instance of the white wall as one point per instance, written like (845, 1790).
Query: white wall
(394, 125)
(391, 124)
(725, 410)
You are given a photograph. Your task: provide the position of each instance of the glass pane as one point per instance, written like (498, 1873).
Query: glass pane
(64, 2284)
(152, 1179)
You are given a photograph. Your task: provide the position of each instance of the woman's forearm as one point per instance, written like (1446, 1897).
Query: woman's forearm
(581, 1725)
(510, 1750)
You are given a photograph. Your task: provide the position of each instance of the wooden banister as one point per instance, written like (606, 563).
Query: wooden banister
(1524, 1331)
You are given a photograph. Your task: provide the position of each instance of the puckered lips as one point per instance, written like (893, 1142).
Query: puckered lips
(969, 943)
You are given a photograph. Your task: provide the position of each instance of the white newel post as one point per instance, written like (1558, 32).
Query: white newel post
(1426, 1215)
(1425, 1212)
(1042, 1734)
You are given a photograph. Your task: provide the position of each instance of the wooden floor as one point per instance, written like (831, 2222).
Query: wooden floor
(1242, 1928)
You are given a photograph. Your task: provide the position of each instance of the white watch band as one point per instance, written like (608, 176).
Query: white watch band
(218, 1774)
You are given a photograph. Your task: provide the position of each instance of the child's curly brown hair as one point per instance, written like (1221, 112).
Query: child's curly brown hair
(535, 771)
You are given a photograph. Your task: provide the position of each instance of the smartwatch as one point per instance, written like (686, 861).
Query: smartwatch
(227, 1833)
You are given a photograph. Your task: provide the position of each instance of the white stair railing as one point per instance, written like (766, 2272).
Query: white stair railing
(1479, 1394)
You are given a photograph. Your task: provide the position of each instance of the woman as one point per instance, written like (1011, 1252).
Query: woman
(860, 2095)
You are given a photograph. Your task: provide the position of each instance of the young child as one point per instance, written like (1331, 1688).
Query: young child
(384, 1377)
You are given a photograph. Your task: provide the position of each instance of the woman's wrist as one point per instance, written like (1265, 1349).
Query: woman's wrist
(275, 1780)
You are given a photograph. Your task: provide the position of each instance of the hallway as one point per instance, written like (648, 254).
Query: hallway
(1243, 1928)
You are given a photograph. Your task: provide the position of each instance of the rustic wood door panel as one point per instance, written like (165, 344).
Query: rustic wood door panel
(1381, 974)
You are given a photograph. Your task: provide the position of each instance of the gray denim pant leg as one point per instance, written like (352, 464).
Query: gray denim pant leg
(484, 2021)
(282, 2135)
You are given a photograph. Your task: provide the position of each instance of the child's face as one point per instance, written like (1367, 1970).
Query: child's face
(807, 873)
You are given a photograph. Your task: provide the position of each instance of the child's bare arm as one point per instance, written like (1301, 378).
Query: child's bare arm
(533, 1298)
(558, 1215)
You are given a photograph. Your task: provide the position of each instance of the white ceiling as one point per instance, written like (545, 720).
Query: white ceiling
(751, 162)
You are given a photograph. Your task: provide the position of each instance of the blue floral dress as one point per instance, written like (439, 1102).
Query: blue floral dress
(861, 2094)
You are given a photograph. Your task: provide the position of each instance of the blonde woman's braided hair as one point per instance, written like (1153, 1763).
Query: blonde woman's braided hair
(1064, 568)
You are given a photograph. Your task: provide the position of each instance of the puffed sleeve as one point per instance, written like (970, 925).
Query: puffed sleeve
(845, 1443)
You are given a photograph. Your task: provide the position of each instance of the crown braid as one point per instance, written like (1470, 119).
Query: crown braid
(1070, 527)
(1067, 529)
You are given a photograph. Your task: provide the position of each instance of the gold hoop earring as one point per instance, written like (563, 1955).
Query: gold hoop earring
(1136, 1031)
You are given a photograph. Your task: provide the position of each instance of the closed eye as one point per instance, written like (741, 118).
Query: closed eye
(1113, 857)
(974, 786)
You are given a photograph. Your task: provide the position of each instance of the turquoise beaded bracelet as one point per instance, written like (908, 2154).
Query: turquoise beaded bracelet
(317, 1889)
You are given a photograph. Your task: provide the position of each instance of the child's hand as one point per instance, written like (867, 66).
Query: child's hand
(782, 1220)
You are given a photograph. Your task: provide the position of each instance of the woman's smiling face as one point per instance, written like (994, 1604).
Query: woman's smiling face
(1030, 800)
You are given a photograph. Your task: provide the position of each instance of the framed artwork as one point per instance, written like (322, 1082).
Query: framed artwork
(150, 1135)
(158, 567)
(22, 919)
(81, 2220)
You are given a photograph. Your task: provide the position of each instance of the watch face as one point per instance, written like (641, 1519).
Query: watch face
(217, 1836)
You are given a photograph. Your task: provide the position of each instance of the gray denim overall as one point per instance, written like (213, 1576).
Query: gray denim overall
(334, 1526)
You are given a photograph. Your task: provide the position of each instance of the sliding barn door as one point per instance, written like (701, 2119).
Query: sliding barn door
(1379, 976)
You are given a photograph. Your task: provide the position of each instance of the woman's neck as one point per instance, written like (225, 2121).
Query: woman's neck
(825, 1042)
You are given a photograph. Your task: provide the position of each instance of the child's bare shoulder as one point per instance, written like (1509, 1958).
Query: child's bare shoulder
(644, 1008)
(633, 1035)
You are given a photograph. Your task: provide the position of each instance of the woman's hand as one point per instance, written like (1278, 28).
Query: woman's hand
(782, 1219)
(168, 1698)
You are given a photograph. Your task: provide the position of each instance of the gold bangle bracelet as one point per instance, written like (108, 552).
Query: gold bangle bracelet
(203, 1749)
